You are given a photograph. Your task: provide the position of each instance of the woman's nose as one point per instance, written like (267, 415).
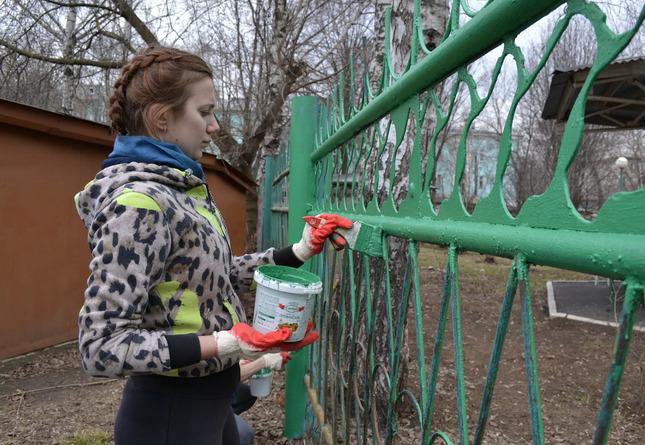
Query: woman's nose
(212, 127)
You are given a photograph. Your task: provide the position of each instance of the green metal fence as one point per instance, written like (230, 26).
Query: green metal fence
(338, 377)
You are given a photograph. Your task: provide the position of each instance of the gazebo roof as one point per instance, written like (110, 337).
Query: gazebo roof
(616, 99)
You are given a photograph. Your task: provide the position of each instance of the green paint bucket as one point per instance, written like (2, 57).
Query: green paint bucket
(284, 297)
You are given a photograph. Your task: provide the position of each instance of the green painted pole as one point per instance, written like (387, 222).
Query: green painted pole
(267, 186)
(633, 300)
(304, 120)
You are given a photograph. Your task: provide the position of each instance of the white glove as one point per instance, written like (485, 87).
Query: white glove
(302, 249)
(276, 360)
(317, 229)
(242, 341)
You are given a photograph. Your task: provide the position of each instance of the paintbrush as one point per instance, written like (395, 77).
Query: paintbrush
(362, 237)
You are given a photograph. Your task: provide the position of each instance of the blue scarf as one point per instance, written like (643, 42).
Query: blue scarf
(151, 151)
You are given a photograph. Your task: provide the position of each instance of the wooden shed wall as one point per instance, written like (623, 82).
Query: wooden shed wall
(45, 158)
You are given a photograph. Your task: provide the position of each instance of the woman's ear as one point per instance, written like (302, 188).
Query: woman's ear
(157, 119)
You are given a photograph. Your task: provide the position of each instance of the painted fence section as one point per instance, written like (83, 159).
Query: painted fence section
(349, 158)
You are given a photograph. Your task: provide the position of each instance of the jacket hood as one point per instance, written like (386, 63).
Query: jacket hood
(99, 192)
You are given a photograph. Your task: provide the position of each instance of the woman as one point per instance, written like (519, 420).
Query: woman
(161, 302)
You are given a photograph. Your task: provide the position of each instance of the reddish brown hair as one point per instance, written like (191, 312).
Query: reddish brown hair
(155, 76)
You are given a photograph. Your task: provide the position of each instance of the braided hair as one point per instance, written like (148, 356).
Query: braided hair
(155, 76)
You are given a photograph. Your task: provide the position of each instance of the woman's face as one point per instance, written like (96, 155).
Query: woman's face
(191, 127)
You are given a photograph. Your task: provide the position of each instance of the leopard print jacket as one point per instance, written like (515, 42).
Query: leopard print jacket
(161, 264)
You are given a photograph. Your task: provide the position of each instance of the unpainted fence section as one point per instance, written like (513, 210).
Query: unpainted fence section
(349, 162)
(275, 199)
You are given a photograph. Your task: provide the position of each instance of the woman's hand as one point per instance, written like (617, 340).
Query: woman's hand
(275, 360)
(242, 341)
(317, 229)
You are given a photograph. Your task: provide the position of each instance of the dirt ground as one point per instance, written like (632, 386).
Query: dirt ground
(573, 359)
(46, 398)
(64, 402)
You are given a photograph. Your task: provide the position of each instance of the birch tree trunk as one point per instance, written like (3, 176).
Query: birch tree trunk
(70, 71)
(434, 14)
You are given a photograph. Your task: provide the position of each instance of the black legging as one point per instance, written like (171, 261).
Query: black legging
(242, 399)
(159, 410)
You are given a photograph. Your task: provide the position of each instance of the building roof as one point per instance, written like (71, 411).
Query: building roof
(57, 124)
(616, 99)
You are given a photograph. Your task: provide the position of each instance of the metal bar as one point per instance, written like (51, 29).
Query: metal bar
(266, 201)
(633, 299)
(607, 254)
(403, 313)
(282, 175)
(280, 209)
(436, 355)
(418, 307)
(389, 311)
(465, 45)
(457, 344)
(498, 347)
(530, 355)
(301, 192)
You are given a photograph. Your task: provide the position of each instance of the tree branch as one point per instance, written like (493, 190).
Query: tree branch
(115, 36)
(126, 11)
(83, 5)
(111, 64)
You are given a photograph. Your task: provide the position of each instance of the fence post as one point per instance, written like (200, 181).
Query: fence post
(304, 113)
(267, 185)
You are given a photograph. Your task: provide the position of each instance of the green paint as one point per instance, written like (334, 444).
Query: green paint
(436, 355)
(498, 346)
(633, 300)
(608, 254)
(440, 435)
(339, 142)
(289, 275)
(465, 45)
(455, 309)
(421, 358)
(530, 354)
(304, 112)
(267, 189)
(264, 372)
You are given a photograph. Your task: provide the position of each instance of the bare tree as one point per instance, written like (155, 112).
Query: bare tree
(261, 52)
(381, 160)
(536, 141)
